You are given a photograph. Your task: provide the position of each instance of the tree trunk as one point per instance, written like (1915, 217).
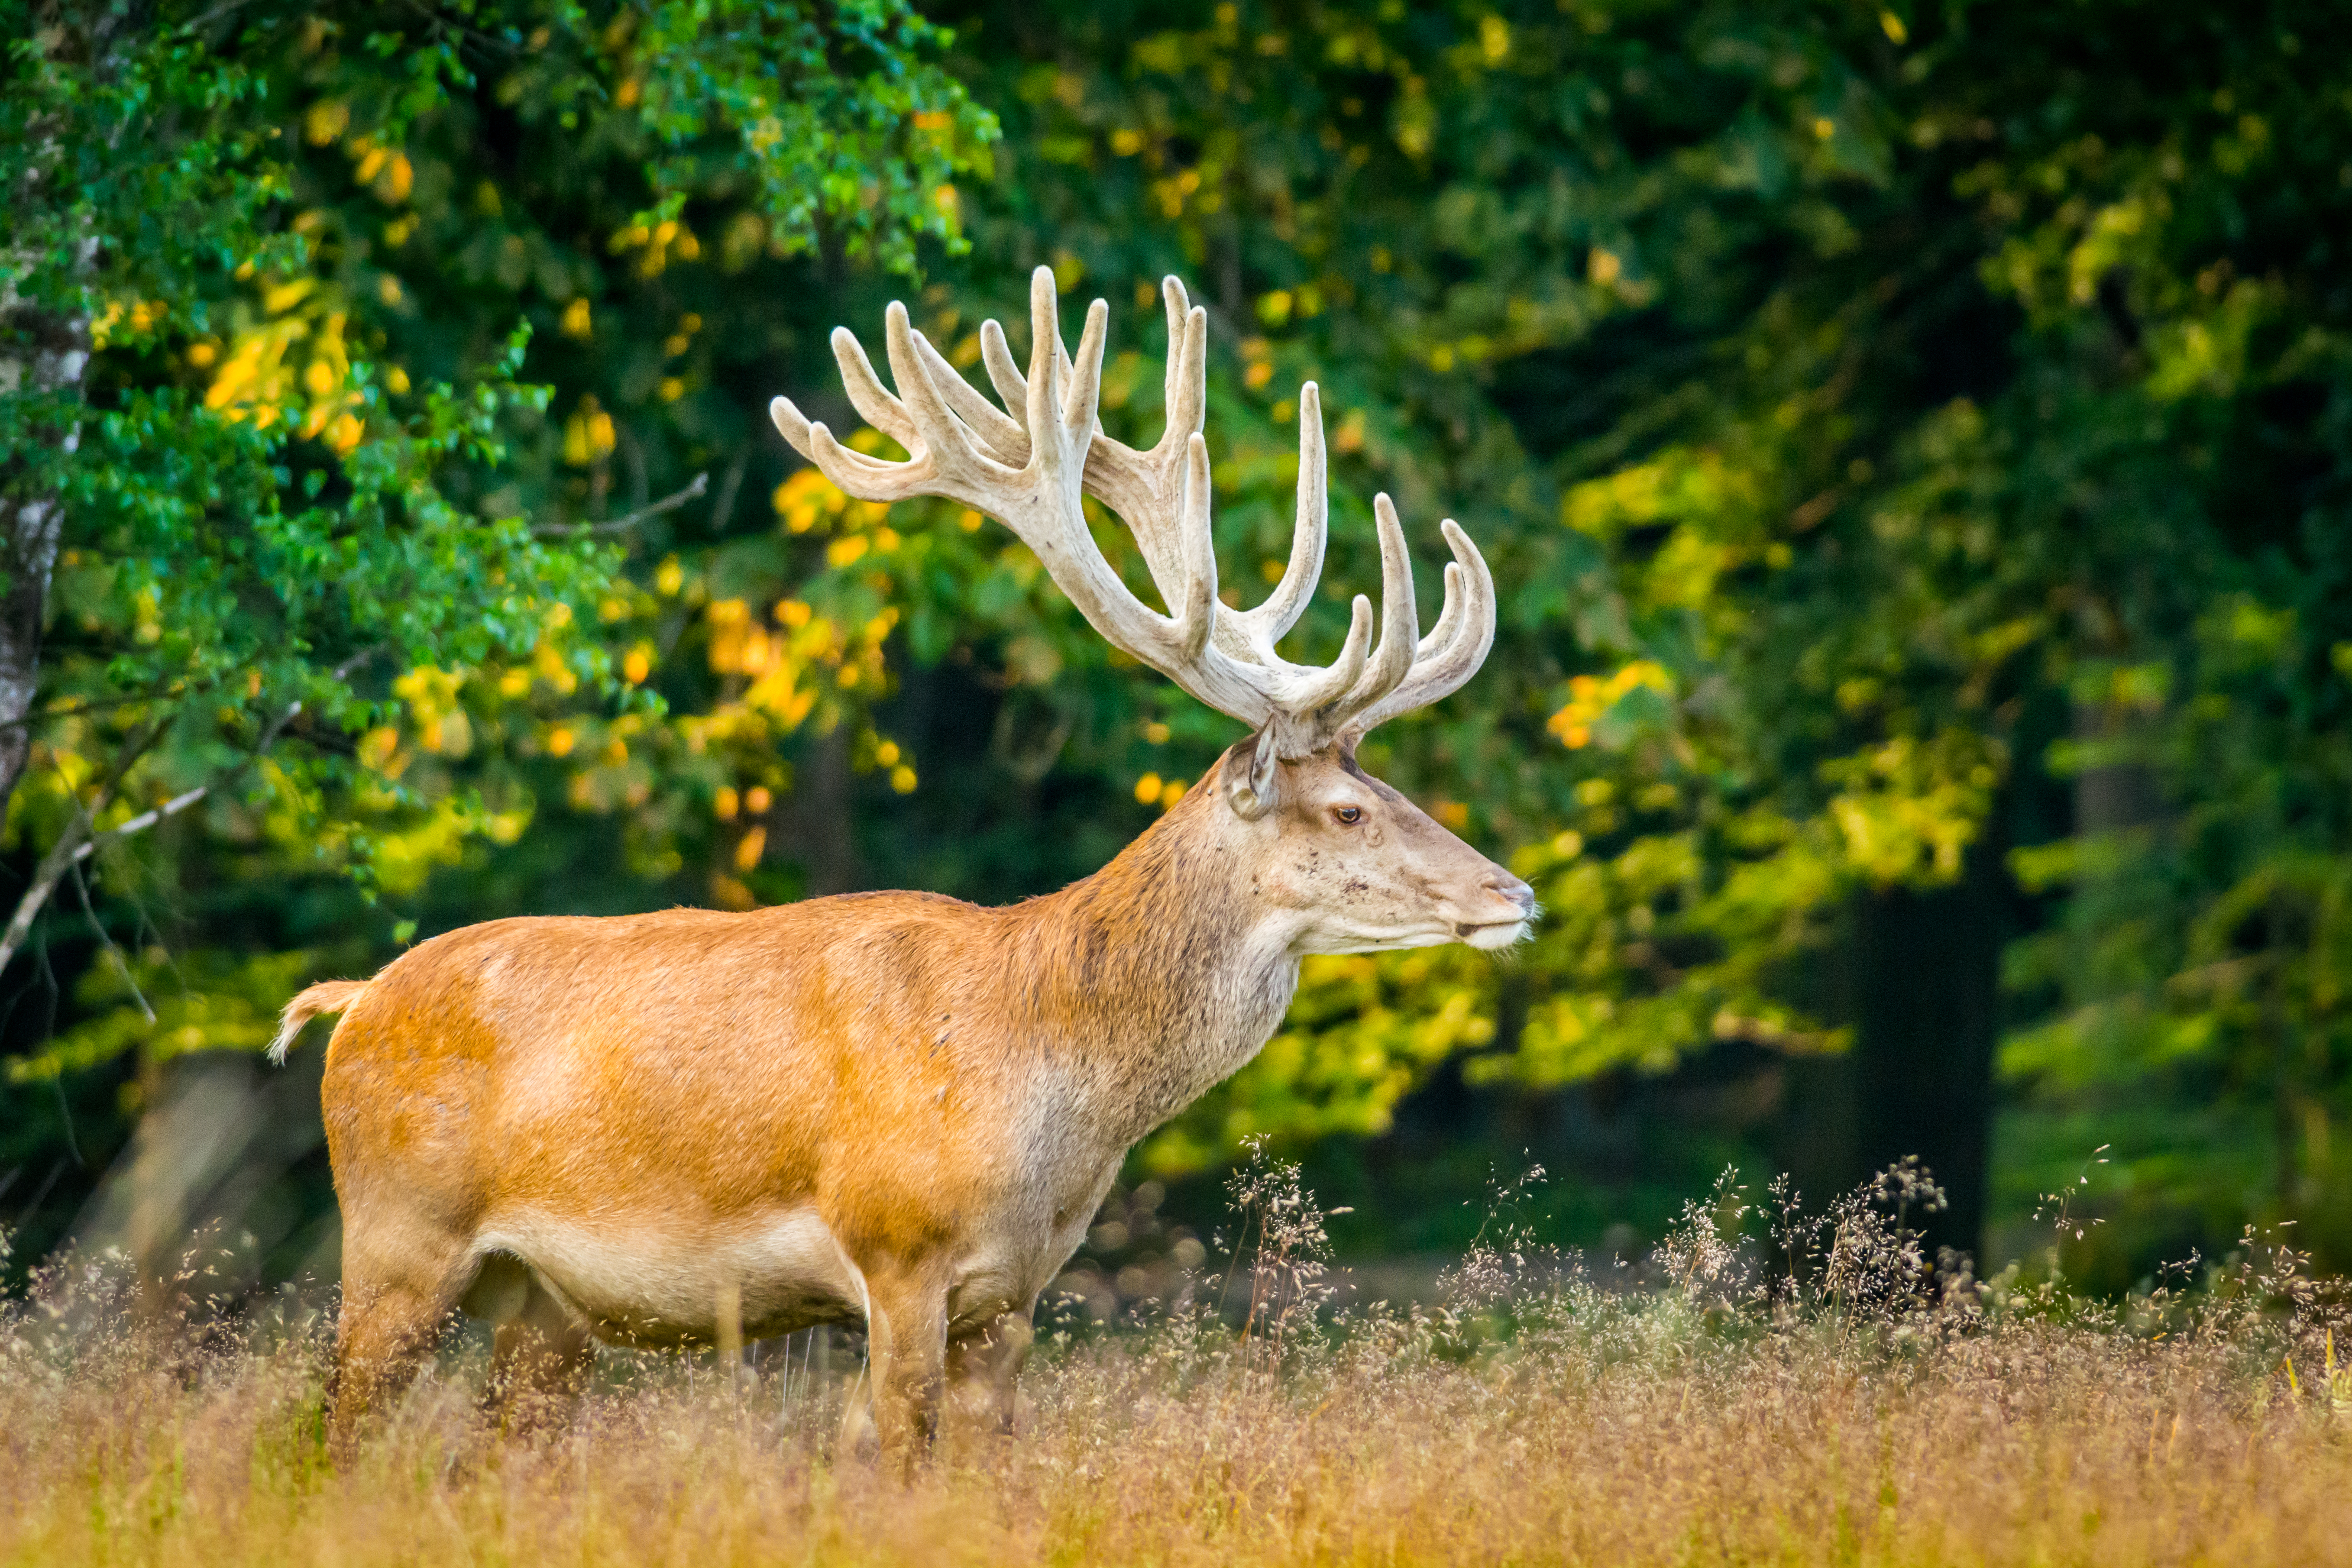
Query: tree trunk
(822, 818)
(27, 555)
(44, 359)
(1927, 993)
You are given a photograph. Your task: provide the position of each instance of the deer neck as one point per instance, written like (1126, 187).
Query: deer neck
(1158, 976)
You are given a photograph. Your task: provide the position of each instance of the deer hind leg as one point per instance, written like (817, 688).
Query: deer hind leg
(983, 1371)
(540, 1353)
(906, 1365)
(393, 1302)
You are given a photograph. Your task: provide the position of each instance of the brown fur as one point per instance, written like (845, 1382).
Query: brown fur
(923, 1076)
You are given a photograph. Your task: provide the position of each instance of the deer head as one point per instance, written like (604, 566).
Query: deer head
(1359, 865)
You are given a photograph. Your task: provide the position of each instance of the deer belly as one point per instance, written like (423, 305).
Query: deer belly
(645, 1282)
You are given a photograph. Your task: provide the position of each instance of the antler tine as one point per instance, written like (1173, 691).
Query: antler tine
(856, 474)
(1003, 370)
(1454, 647)
(1264, 626)
(1186, 382)
(1391, 661)
(866, 394)
(1198, 613)
(791, 424)
(1449, 616)
(1085, 372)
(1044, 392)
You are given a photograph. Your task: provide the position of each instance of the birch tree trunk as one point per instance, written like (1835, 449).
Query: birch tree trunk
(44, 357)
(54, 365)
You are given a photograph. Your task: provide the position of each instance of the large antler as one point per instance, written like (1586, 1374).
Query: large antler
(1032, 472)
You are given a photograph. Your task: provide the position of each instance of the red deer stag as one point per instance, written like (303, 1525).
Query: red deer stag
(895, 1108)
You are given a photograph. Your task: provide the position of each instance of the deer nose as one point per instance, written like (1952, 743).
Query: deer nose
(1504, 884)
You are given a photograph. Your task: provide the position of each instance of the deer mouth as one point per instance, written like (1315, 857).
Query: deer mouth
(1492, 934)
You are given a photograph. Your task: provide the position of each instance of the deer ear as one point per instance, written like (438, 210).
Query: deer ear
(1251, 793)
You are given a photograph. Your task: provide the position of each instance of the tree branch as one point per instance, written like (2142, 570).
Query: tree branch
(102, 704)
(724, 507)
(141, 823)
(76, 844)
(621, 525)
(90, 912)
(61, 855)
(215, 13)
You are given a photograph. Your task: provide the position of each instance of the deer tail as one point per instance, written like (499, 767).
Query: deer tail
(327, 996)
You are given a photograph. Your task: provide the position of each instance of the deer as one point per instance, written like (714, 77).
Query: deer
(895, 1110)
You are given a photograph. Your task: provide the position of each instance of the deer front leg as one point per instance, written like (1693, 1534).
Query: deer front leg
(905, 1338)
(983, 1368)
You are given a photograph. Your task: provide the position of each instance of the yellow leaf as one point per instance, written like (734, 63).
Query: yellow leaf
(748, 852)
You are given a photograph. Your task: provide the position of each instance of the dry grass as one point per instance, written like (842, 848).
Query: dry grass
(1705, 1418)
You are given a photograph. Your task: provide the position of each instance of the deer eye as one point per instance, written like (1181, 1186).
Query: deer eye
(1348, 815)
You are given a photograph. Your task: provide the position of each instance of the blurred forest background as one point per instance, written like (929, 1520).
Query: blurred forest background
(1914, 444)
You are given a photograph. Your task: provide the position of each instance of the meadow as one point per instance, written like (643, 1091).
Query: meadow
(1816, 1393)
